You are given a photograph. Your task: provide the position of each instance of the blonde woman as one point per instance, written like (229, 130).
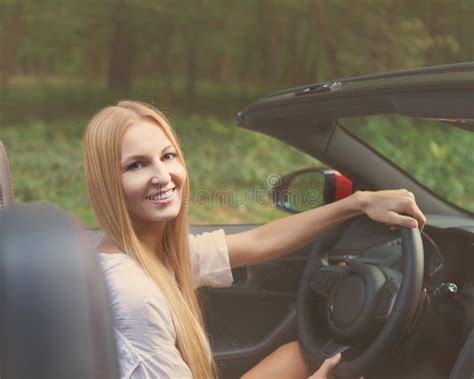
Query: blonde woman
(137, 180)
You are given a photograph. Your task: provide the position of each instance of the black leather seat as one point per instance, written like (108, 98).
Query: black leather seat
(55, 316)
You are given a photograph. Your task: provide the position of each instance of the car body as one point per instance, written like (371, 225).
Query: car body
(259, 312)
(311, 118)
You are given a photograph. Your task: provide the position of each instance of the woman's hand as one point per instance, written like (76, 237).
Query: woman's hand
(288, 362)
(324, 372)
(393, 207)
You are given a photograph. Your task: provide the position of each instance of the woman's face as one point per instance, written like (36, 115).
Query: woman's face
(152, 175)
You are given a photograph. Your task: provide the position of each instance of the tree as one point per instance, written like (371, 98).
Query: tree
(121, 48)
(10, 43)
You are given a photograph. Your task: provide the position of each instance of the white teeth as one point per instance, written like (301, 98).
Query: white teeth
(161, 196)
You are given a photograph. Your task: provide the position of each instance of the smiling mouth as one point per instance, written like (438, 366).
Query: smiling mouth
(161, 195)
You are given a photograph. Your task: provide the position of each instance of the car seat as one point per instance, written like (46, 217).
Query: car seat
(55, 318)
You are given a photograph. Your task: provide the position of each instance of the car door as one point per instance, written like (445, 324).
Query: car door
(256, 315)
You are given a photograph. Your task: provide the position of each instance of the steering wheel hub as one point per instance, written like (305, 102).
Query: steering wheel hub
(347, 302)
(352, 302)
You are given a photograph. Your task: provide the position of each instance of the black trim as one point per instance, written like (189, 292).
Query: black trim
(287, 324)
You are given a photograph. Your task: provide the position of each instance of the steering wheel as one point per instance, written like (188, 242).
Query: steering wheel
(360, 310)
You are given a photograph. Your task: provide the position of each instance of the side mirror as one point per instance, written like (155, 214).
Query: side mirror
(309, 188)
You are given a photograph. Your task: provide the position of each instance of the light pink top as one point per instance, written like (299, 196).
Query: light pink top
(144, 330)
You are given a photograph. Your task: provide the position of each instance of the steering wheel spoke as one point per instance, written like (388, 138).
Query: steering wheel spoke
(332, 347)
(386, 299)
(388, 293)
(324, 279)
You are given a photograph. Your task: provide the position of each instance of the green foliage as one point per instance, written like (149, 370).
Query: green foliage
(57, 99)
(46, 163)
(46, 167)
(437, 155)
(231, 155)
(265, 41)
(202, 62)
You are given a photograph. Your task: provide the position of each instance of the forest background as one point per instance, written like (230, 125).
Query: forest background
(201, 62)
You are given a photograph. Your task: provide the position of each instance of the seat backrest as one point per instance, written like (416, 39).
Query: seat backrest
(55, 320)
(6, 183)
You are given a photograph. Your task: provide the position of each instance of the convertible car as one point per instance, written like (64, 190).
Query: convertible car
(395, 303)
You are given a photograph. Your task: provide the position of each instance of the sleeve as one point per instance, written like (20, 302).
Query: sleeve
(210, 259)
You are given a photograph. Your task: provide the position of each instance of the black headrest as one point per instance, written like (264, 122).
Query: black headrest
(55, 319)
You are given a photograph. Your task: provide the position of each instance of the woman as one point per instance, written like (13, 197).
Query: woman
(138, 186)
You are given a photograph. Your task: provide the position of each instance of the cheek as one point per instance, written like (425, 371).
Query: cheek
(131, 187)
(179, 173)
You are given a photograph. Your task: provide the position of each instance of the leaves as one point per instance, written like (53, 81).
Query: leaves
(268, 42)
(438, 156)
(46, 163)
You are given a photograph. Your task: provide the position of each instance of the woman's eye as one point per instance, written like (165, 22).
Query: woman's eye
(169, 156)
(134, 166)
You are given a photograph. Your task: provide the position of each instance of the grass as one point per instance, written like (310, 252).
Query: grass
(46, 164)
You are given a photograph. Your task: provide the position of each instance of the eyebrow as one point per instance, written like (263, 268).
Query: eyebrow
(138, 157)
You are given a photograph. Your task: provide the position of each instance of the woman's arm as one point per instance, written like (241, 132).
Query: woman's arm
(280, 237)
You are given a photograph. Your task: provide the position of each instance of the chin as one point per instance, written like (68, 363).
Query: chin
(150, 215)
(165, 214)
(165, 218)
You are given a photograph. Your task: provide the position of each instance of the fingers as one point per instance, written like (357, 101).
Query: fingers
(397, 208)
(417, 219)
(404, 221)
(420, 217)
(327, 367)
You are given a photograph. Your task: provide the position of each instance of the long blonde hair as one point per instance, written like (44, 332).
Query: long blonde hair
(102, 146)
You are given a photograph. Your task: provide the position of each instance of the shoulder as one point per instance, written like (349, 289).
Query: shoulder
(132, 293)
(122, 273)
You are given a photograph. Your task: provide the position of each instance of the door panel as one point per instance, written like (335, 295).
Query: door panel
(254, 316)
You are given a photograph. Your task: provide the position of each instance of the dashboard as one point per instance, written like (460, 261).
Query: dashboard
(448, 251)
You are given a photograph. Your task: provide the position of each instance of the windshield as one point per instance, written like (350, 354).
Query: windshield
(438, 155)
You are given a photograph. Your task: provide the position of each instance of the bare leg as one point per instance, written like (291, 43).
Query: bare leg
(286, 362)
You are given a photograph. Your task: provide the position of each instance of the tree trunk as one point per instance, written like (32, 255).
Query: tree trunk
(269, 40)
(121, 50)
(10, 44)
(191, 72)
(93, 53)
(224, 71)
(192, 61)
(164, 37)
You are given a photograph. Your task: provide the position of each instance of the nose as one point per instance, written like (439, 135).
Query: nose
(160, 175)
